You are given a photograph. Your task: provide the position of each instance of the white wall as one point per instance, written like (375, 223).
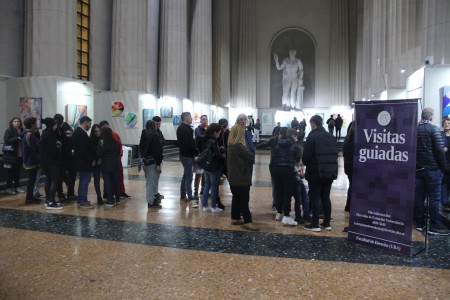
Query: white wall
(435, 78)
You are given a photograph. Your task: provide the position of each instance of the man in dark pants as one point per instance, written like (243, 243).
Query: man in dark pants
(83, 160)
(430, 164)
(320, 158)
(338, 125)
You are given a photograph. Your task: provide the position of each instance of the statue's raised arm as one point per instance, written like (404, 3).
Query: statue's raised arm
(277, 64)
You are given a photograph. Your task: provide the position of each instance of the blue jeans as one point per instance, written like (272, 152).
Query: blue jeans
(428, 182)
(301, 199)
(319, 193)
(211, 179)
(83, 185)
(186, 180)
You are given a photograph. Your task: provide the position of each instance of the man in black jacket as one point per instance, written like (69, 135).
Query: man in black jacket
(430, 163)
(320, 158)
(83, 160)
(188, 151)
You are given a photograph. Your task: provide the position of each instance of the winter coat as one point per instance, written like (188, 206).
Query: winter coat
(430, 147)
(238, 165)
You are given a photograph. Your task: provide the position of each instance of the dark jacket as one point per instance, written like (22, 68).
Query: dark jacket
(82, 155)
(109, 157)
(50, 149)
(430, 147)
(199, 133)
(218, 157)
(238, 167)
(272, 143)
(286, 153)
(161, 136)
(66, 150)
(30, 148)
(11, 137)
(320, 155)
(185, 138)
(150, 145)
(95, 144)
(338, 122)
(276, 130)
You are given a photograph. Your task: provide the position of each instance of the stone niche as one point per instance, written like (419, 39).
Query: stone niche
(302, 42)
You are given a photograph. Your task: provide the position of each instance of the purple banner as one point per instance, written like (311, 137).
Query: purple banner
(384, 172)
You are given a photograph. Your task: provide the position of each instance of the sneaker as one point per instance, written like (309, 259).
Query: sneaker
(220, 205)
(419, 229)
(206, 209)
(193, 203)
(125, 195)
(438, 231)
(20, 191)
(159, 196)
(53, 206)
(279, 217)
(299, 220)
(250, 226)
(311, 227)
(216, 210)
(184, 199)
(72, 197)
(109, 204)
(308, 219)
(327, 227)
(288, 221)
(86, 205)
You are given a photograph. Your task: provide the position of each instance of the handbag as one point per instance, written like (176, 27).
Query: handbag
(206, 160)
(7, 148)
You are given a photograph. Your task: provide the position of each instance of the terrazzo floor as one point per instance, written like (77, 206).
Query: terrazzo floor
(178, 252)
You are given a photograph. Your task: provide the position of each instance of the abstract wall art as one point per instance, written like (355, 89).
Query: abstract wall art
(117, 109)
(31, 107)
(73, 114)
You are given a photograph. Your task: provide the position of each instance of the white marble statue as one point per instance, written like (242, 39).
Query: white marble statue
(292, 80)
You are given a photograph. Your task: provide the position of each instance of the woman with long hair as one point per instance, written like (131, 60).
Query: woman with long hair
(96, 171)
(13, 158)
(30, 147)
(108, 152)
(239, 160)
(151, 150)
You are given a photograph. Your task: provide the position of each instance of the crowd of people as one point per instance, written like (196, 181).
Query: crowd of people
(61, 152)
(211, 152)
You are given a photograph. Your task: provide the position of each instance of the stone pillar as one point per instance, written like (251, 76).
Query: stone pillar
(129, 47)
(221, 53)
(173, 49)
(152, 46)
(339, 54)
(200, 85)
(50, 38)
(246, 85)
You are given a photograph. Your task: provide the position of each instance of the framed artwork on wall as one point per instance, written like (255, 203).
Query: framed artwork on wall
(131, 120)
(266, 119)
(445, 101)
(176, 120)
(117, 109)
(73, 114)
(166, 112)
(147, 114)
(31, 107)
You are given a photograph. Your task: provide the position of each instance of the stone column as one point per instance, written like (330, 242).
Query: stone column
(200, 85)
(246, 85)
(152, 46)
(173, 49)
(129, 36)
(339, 54)
(50, 38)
(221, 53)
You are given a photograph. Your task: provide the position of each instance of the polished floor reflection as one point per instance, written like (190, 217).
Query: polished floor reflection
(129, 252)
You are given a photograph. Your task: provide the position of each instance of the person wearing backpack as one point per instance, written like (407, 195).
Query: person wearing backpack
(330, 123)
(213, 168)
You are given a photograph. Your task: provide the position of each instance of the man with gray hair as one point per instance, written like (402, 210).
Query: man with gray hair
(430, 164)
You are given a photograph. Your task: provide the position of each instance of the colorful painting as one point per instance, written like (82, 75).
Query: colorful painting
(177, 120)
(166, 112)
(131, 120)
(117, 109)
(31, 107)
(147, 114)
(196, 116)
(445, 101)
(73, 114)
(266, 119)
